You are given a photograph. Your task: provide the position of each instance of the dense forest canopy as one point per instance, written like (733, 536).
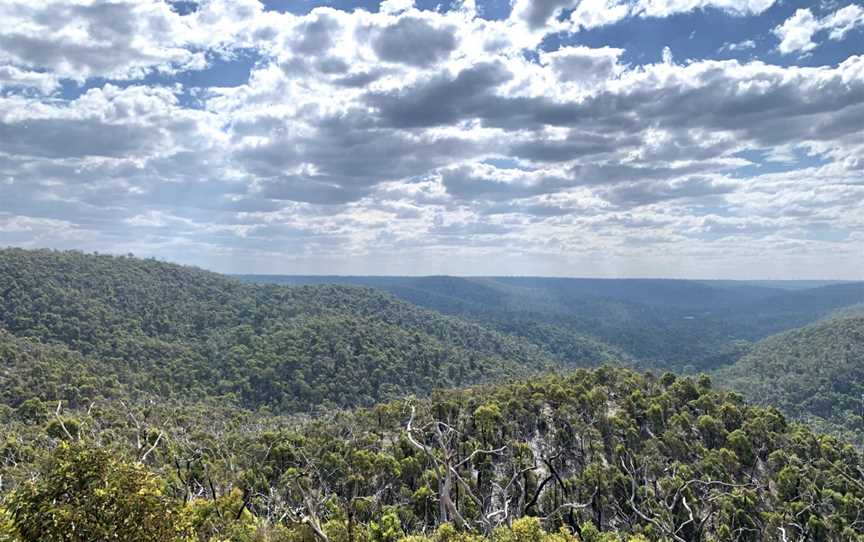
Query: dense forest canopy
(596, 455)
(815, 373)
(141, 400)
(166, 329)
(679, 324)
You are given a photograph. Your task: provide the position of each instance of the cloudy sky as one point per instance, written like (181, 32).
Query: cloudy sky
(676, 138)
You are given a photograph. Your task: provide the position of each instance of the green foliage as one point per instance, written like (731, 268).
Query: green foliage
(387, 529)
(8, 533)
(684, 325)
(82, 327)
(222, 518)
(204, 379)
(88, 494)
(579, 453)
(814, 374)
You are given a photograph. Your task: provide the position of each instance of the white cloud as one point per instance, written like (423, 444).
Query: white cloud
(396, 6)
(543, 15)
(665, 8)
(594, 13)
(843, 21)
(13, 77)
(744, 45)
(363, 138)
(126, 39)
(82, 39)
(667, 55)
(797, 32)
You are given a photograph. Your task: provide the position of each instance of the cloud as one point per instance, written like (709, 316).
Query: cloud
(586, 14)
(537, 14)
(844, 20)
(481, 181)
(584, 64)
(797, 32)
(395, 6)
(648, 192)
(126, 39)
(80, 40)
(366, 137)
(12, 77)
(442, 98)
(737, 46)
(595, 13)
(666, 8)
(428, 44)
(577, 145)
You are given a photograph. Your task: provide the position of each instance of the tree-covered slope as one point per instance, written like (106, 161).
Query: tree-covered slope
(815, 373)
(677, 324)
(32, 372)
(794, 309)
(171, 330)
(607, 454)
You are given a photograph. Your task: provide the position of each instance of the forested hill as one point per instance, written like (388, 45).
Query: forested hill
(165, 329)
(815, 373)
(677, 324)
(178, 390)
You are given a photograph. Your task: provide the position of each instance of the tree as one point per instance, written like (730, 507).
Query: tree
(89, 494)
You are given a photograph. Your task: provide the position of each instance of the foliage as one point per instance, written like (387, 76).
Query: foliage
(147, 401)
(82, 327)
(683, 325)
(814, 373)
(8, 533)
(608, 454)
(88, 494)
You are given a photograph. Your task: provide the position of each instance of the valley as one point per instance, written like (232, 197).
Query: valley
(439, 408)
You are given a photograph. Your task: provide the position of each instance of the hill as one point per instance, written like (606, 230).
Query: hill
(796, 308)
(169, 330)
(605, 454)
(190, 393)
(677, 324)
(852, 311)
(815, 373)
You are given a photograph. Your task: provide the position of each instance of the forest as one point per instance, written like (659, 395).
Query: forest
(685, 325)
(141, 400)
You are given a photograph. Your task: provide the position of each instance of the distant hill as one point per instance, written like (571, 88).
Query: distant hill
(815, 373)
(678, 324)
(183, 332)
(549, 292)
(229, 401)
(795, 308)
(852, 311)
(790, 285)
(30, 370)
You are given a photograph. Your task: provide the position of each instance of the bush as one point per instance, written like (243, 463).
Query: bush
(88, 494)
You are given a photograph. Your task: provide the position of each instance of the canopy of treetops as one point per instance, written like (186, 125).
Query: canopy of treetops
(595, 455)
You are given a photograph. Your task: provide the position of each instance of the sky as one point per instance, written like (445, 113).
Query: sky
(608, 138)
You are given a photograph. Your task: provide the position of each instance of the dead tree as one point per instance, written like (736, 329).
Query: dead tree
(444, 456)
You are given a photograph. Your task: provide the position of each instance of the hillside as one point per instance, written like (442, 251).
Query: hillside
(815, 373)
(190, 395)
(605, 451)
(34, 372)
(169, 330)
(676, 324)
(852, 311)
(794, 309)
